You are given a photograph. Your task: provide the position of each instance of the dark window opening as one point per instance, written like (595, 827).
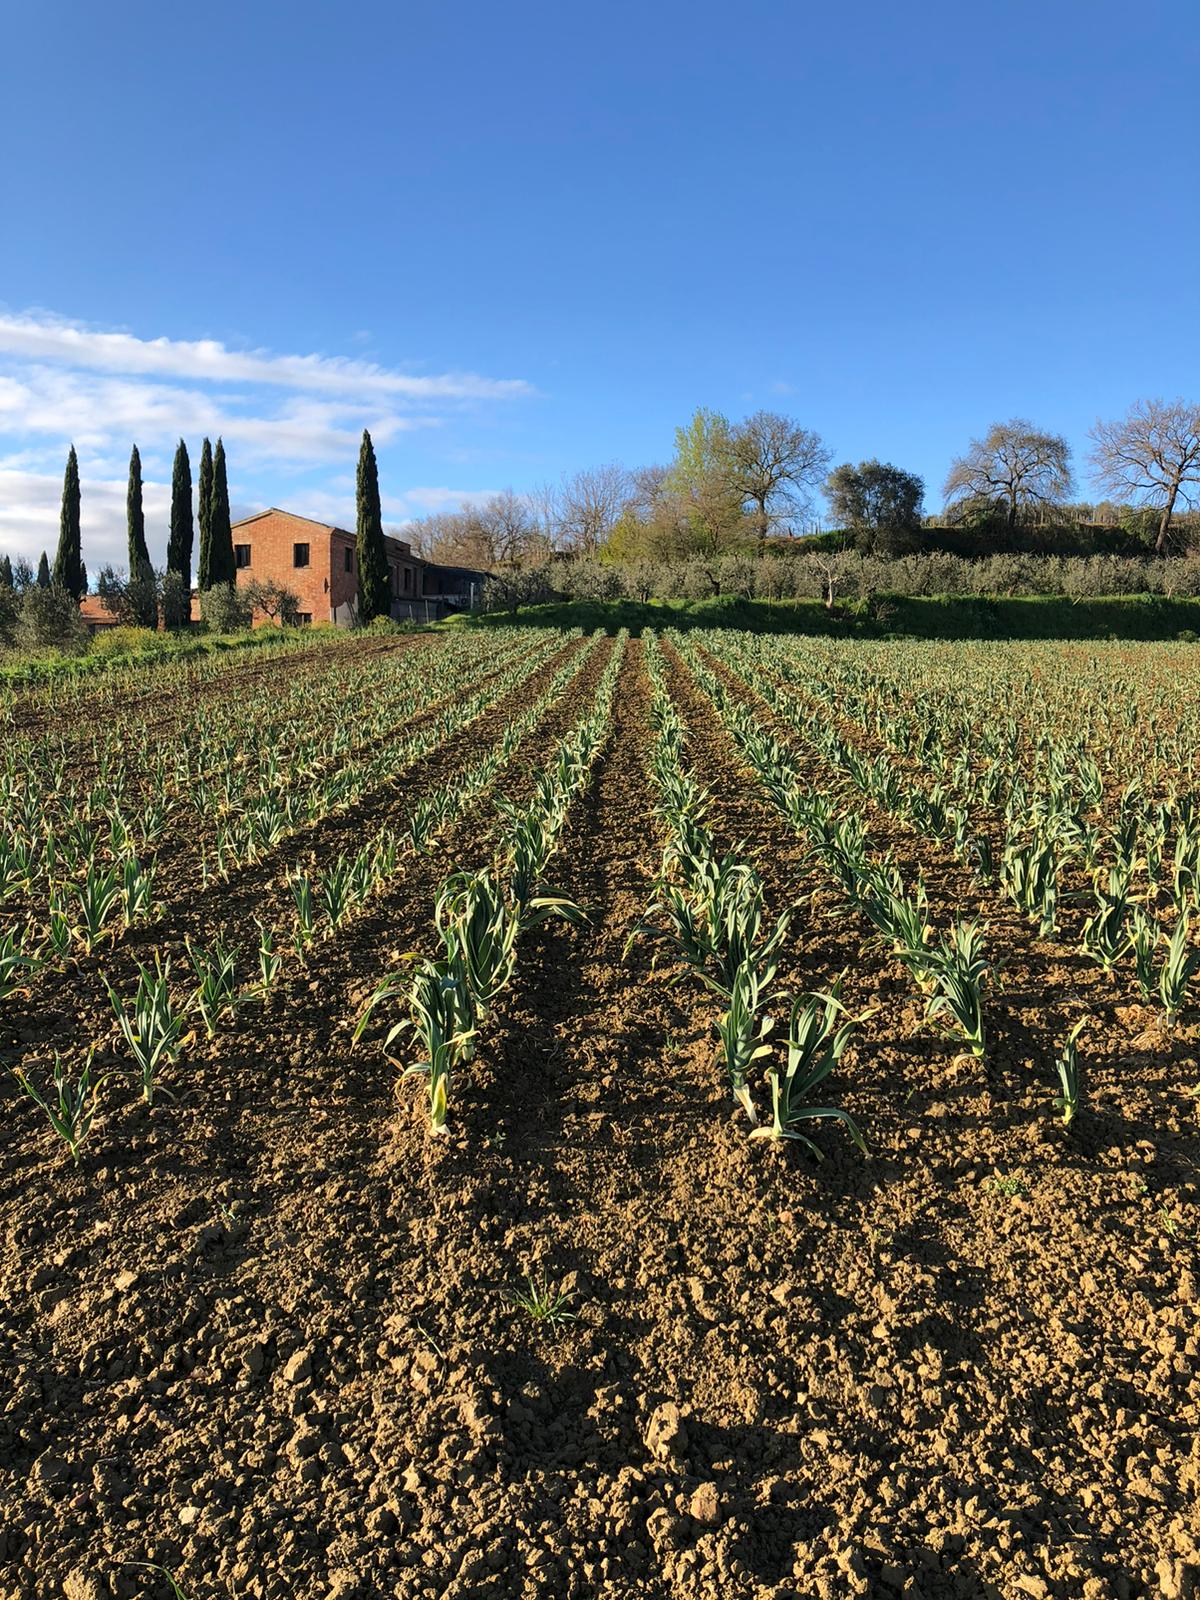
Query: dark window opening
(407, 579)
(304, 619)
(299, 555)
(349, 559)
(241, 555)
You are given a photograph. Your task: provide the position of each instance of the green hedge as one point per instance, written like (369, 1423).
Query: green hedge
(28, 670)
(908, 616)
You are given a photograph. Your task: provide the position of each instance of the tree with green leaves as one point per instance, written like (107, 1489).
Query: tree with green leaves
(221, 567)
(6, 573)
(142, 598)
(67, 573)
(182, 530)
(43, 572)
(878, 503)
(374, 597)
(204, 517)
(701, 489)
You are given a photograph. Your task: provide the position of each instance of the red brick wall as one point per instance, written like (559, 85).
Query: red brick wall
(325, 589)
(272, 538)
(344, 585)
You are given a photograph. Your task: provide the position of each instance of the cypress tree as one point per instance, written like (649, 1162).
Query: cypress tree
(220, 536)
(205, 579)
(43, 572)
(83, 578)
(373, 597)
(67, 572)
(179, 540)
(141, 573)
(6, 577)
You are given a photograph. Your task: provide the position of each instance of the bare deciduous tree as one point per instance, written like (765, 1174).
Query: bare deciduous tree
(501, 531)
(1153, 453)
(1014, 463)
(775, 463)
(583, 510)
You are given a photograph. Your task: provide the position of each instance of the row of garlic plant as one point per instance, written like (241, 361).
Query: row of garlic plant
(949, 972)
(96, 687)
(107, 897)
(481, 915)
(325, 898)
(328, 750)
(709, 912)
(1047, 823)
(161, 1016)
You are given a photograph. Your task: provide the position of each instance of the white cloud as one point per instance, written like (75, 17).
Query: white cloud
(282, 416)
(336, 506)
(29, 510)
(42, 337)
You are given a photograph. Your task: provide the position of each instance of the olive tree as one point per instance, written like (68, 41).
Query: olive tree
(879, 503)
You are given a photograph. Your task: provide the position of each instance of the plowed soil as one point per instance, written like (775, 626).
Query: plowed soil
(268, 1334)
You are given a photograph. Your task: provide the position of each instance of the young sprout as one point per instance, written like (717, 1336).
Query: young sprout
(269, 959)
(1105, 935)
(1143, 942)
(337, 889)
(58, 935)
(742, 1029)
(14, 964)
(549, 1308)
(151, 1566)
(815, 1045)
(70, 1106)
(478, 928)
(99, 896)
(136, 890)
(302, 893)
(960, 970)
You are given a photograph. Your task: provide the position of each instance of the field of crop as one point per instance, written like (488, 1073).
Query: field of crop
(513, 1113)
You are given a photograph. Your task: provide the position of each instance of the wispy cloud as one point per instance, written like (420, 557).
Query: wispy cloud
(336, 505)
(45, 337)
(98, 412)
(29, 509)
(291, 424)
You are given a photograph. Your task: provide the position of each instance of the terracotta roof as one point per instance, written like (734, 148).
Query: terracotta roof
(95, 613)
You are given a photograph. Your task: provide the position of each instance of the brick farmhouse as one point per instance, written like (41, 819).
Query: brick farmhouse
(319, 564)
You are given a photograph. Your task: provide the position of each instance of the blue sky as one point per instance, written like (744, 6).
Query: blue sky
(514, 240)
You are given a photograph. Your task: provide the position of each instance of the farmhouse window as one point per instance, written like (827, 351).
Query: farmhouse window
(241, 555)
(349, 559)
(304, 618)
(299, 555)
(407, 580)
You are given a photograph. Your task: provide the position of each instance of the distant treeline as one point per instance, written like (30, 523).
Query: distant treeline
(736, 487)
